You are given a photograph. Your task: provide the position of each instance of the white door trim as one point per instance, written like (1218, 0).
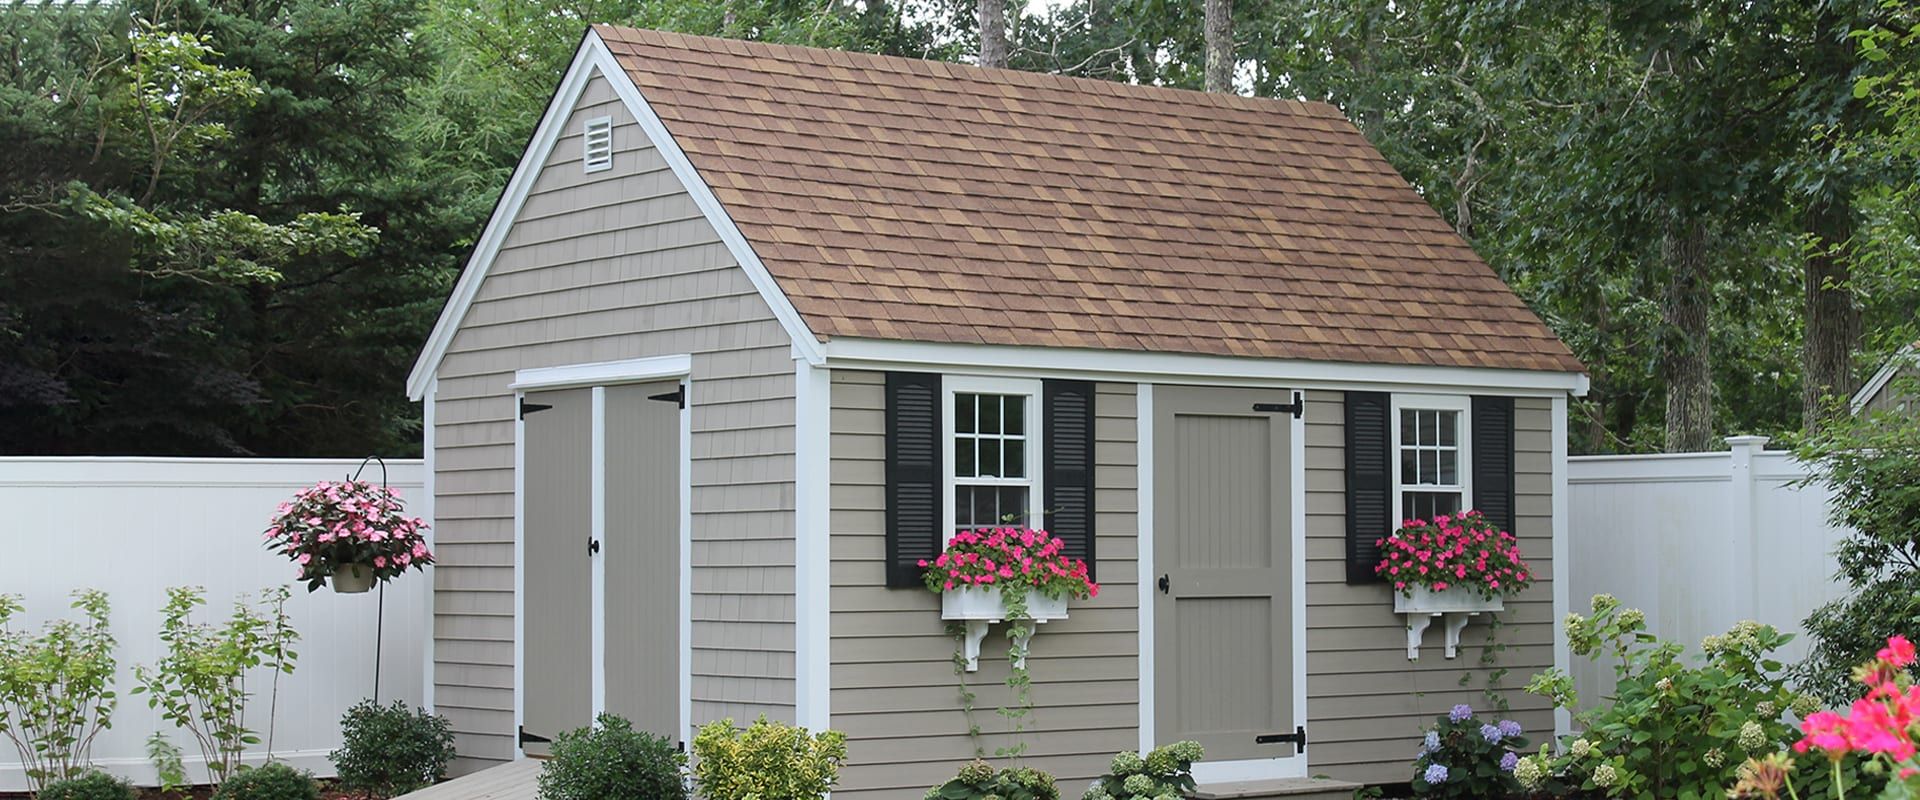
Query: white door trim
(519, 576)
(597, 531)
(602, 373)
(1143, 419)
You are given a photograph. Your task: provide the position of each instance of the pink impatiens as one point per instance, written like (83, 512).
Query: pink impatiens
(1019, 557)
(1462, 550)
(332, 524)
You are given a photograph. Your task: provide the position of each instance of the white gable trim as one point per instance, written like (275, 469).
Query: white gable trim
(1906, 356)
(594, 57)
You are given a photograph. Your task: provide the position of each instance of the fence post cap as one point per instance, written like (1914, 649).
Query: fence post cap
(1753, 442)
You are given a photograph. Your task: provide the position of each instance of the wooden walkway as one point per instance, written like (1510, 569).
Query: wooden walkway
(518, 780)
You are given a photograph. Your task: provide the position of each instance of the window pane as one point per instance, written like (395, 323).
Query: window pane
(990, 413)
(964, 464)
(1449, 427)
(1427, 505)
(1450, 467)
(962, 507)
(986, 512)
(1408, 466)
(990, 458)
(1016, 457)
(1013, 506)
(1409, 427)
(1430, 427)
(963, 405)
(1429, 466)
(1016, 416)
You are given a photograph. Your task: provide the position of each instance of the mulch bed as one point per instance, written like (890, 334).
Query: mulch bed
(327, 792)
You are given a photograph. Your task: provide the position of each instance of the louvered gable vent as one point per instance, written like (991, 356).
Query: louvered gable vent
(598, 153)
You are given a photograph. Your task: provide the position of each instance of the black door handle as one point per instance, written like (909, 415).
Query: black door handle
(1165, 584)
(593, 547)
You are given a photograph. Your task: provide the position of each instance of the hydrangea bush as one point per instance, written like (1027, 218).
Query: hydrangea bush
(1672, 729)
(1010, 558)
(330, 525)
(1162, 774)
(1459, 551)
(978, 781)
(1465, 756)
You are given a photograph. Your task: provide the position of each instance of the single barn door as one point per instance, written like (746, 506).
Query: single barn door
(556, 529)
(1222, 604)
(642, 549)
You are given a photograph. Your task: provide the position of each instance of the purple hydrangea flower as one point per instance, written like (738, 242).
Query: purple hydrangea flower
(1432, 743)
(1436, 773)
(1510, 728)
(1460, 712)
(1491, 733)
(1508, 761)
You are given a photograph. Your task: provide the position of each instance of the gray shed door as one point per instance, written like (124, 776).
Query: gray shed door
(557, 523)
(642, 549)
(1222, 627)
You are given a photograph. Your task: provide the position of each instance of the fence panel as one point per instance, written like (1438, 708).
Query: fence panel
(135, 526)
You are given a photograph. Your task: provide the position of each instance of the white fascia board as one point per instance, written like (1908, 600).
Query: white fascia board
(602, 373)
(1137, 366)
(594, 57)
(1882, 378)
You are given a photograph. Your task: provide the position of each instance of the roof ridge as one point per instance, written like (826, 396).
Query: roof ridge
(959, 69)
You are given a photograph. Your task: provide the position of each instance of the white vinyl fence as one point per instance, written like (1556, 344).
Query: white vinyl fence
(1700, 541)
(135, 526)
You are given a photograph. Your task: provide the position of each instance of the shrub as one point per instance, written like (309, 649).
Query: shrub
(1463, 756)
(1671, 730)
(56, 688)
(1167, 771)
(200, 685)
(391, 750)
(88, 786)
(767, 761)
(272, 781)
(978, 781)
(612, 760)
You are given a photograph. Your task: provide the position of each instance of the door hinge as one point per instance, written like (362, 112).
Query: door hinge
(677, 397)
(532, 738)
(593, 547)
(1297, 408)
(1298, 738)
(531, 408)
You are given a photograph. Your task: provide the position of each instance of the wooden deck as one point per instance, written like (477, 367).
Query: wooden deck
(518, 780)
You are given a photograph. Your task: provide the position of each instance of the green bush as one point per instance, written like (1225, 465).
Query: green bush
(201, 684)
(978, 781)
(89, 786)
(272, 781)
(611, 761)
(1167, 771)
(1464, 757)
(767, 761)
(1671, 730)
(391, 750)
(56, 687)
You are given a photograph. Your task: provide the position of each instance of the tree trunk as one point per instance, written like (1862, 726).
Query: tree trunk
(1833, 323)
(1685, 359)
(1219, 30)
(993, 33)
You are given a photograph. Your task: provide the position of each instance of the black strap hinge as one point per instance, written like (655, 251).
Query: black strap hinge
(531, 408)
(532, 738)
(677, 397)
(1298, 408)
(1298, 738)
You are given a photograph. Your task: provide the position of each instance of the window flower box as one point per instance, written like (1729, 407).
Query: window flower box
(980, 603)
(1455, 600)
(1453, 568)
(984, 575)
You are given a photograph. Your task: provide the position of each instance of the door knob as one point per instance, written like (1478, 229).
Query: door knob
(1165, 584)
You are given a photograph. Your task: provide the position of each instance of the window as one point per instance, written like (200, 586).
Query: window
(598, 144)
(993, 459)
(1430, 445)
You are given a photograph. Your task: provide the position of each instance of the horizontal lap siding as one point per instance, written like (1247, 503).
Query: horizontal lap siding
(1366, 703)
(598, 267)
(893, 689)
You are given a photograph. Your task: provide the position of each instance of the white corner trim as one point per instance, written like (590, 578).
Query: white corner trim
(1297, 571)
(425, 504)
(803, 339)
(602, 373)
(686, 561)
(1907, 355)
(1142, 367)
(519, 578)
(593, 56)
(1562, 553)
(1143, 513)
(812, 565)
(597, 532)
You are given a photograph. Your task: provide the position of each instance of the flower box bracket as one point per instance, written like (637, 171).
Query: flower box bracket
(980, 608)
(1455, 607)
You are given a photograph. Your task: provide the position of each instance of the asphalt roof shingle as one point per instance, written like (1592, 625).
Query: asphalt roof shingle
(900, 199)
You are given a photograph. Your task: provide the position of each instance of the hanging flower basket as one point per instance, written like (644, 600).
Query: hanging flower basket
(350, 533)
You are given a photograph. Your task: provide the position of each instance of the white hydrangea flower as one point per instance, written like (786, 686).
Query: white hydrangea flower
(1604, 776)
(1767, 709)
(1752, 736)
(1530, 772)
(1581, 748)
(1715, 758)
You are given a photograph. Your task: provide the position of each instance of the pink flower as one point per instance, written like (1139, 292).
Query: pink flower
(1898, 652)
(379, 562)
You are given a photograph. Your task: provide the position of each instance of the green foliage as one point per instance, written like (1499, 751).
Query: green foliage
(1167, 771)
(169, 764)
(611, 759)
(767, 761)
(56, 687)
(1872, 466)
(200, 684)
(391, 750)
(91, 785)
(978, 781)
(1671, 730)
(1467, 758)
(272, 781)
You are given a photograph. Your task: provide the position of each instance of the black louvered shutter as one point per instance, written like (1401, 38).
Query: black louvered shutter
(1068, 450)
(1370, 512)
(1492, 455)
(914, 437)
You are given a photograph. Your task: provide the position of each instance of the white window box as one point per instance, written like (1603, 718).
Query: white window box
(980, 607)
(1456, 606)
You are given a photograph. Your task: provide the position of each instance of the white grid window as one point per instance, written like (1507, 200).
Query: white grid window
(1431, 465)
(992, 458)
(598, 144)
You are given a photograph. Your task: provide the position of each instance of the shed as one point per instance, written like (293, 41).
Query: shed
(753, 328)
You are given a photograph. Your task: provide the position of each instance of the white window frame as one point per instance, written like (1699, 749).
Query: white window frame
(951, 387)
(1432, 402)
(602, 126)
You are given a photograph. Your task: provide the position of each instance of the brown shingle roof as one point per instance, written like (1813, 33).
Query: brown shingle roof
(916, 200)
